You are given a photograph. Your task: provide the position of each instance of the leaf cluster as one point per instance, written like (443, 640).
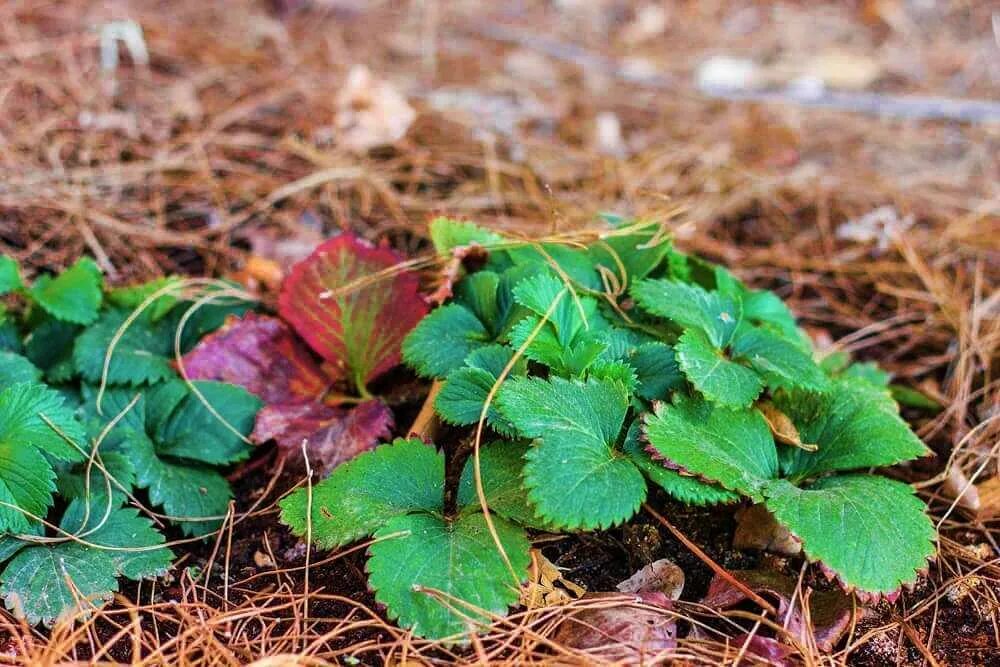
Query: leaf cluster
(102, 444)
(602, 369)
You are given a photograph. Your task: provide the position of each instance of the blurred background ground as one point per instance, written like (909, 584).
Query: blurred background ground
(202, 137)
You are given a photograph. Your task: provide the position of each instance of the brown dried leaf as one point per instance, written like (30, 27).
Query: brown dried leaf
(782, 427)
(661, 576)
(756, 528)
(829, 611)
(628, 631)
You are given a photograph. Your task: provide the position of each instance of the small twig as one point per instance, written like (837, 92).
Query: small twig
(715, 567)
(425, 424)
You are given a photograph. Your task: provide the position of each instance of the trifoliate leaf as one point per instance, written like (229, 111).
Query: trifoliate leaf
(465, 391)
(332, 435)
(572, 314)
(135, 546)
(441, 341)
(434, 576)
(210, 428)
(731, 447)
(10, 275)
(685, 488)
(50, 347)
(192, 496)
(74, 295)
(780, 362)
(851, 427)
(501, 466)
(35, 584)
(447, 234)
(574, 476)
(717, 377)
(14, 368)
(352, 307)
(366, 492)
(711, 313)
(871, 531)
(260, 354)
(142, 353)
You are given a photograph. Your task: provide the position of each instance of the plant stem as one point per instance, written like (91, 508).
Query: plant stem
(454, 464)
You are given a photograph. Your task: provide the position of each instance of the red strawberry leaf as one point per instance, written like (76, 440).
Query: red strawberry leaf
(332, 435)
(351, 308)
(260, 354)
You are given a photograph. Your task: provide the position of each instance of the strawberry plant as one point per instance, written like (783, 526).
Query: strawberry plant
(102, 443)
(598, 369)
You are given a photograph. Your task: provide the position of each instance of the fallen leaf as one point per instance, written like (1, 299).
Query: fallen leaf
(260, 354)
(332, 435)
(370, 112)
(829, 611)
(630, 631)
(756, 528)
(546, 586)
(661, 576)
(782, 427)
(989, 498)
(958, 487)
(766, 648)
(353, 307)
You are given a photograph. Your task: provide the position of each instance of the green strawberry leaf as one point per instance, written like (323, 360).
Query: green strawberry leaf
(657, 370)
(720, 379)
(194, 497)
(354, 306)
(441, 341)
(363, 494)
(74, 295)
(637, 254)
(574, 476)
(141, 355)
(135, 546)
(731, 447)
(465, 391)
(711, 313)
(468, 577)
(118, 473)
(854, 426)
(10, 275)
(685, 488)
(575, 263)
(210, 428)
(35, 581)
(501, 467)
(780, 362)
(132, 296)
(49, 346)
(447, 234)
(14, 368)
(871, 531)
